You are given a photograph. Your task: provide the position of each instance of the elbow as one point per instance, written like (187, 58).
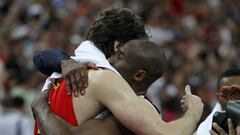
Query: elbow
(40, 113)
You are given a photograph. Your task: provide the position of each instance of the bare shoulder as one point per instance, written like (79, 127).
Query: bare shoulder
(101, 73)
(108, 83)
(103, 76)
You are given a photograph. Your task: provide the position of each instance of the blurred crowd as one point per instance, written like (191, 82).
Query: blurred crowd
(200, 39)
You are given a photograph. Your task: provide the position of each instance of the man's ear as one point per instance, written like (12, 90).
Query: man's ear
(140, 75)
(117, 45)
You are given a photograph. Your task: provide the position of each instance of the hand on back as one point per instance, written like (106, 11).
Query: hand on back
(76, 76)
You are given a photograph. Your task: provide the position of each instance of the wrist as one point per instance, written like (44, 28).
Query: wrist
(62, 63)
(191, 115)
(65, 62)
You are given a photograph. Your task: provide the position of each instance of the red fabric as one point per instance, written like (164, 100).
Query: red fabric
(61, 104)
(169, 115)
(177, 7)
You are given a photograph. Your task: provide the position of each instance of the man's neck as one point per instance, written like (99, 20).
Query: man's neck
(139, 89)
(142, 93)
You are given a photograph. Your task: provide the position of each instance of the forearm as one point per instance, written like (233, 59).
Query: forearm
(51, 124)
(138, 115)
(107, 126)
(186, 125)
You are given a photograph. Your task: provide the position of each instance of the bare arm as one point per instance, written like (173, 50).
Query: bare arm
(51, 124)
(134, 112)
(56, 60)
(123, 106)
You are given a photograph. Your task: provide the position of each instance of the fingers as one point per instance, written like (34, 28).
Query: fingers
(79, 85)
(212, 132)
(219, 129)
(188, 90)
(84, 79)
(69, 86)
(84, 76)
(76, 76)
(183, 105)
(235, 86)
(77, 81)
(182, 101)
(84, 82)
(74, 84)
(231, 129)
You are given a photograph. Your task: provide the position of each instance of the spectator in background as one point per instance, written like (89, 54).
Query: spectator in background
(14, 122)
(200, 38)
(28, 90)
(228, 78)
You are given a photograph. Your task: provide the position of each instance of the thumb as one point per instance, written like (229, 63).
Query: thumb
(188, 90)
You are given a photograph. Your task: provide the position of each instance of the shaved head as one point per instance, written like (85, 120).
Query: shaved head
(148, 56)
(140, 62)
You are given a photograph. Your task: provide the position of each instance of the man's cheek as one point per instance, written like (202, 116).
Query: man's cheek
(112, 60)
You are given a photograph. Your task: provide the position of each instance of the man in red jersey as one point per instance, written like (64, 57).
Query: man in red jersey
(109, 31)
(138, 114)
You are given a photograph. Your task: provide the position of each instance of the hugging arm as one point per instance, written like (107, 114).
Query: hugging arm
(139, 115)
(56, 60)
(51, 124)
(133, 112)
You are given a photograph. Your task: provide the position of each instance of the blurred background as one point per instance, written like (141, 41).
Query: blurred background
(201, 38)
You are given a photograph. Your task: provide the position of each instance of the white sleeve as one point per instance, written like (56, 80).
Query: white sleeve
(27, 126)
(46, 84)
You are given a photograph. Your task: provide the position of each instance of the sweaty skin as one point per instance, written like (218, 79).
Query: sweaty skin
(129, 109)
(42, 113)
(132, 111)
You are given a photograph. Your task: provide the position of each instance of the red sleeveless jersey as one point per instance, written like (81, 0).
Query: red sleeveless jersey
(61, 104)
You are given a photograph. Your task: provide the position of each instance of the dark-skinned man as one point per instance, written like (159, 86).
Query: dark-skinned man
(116, 97)
(227, 89)
(110, 30)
